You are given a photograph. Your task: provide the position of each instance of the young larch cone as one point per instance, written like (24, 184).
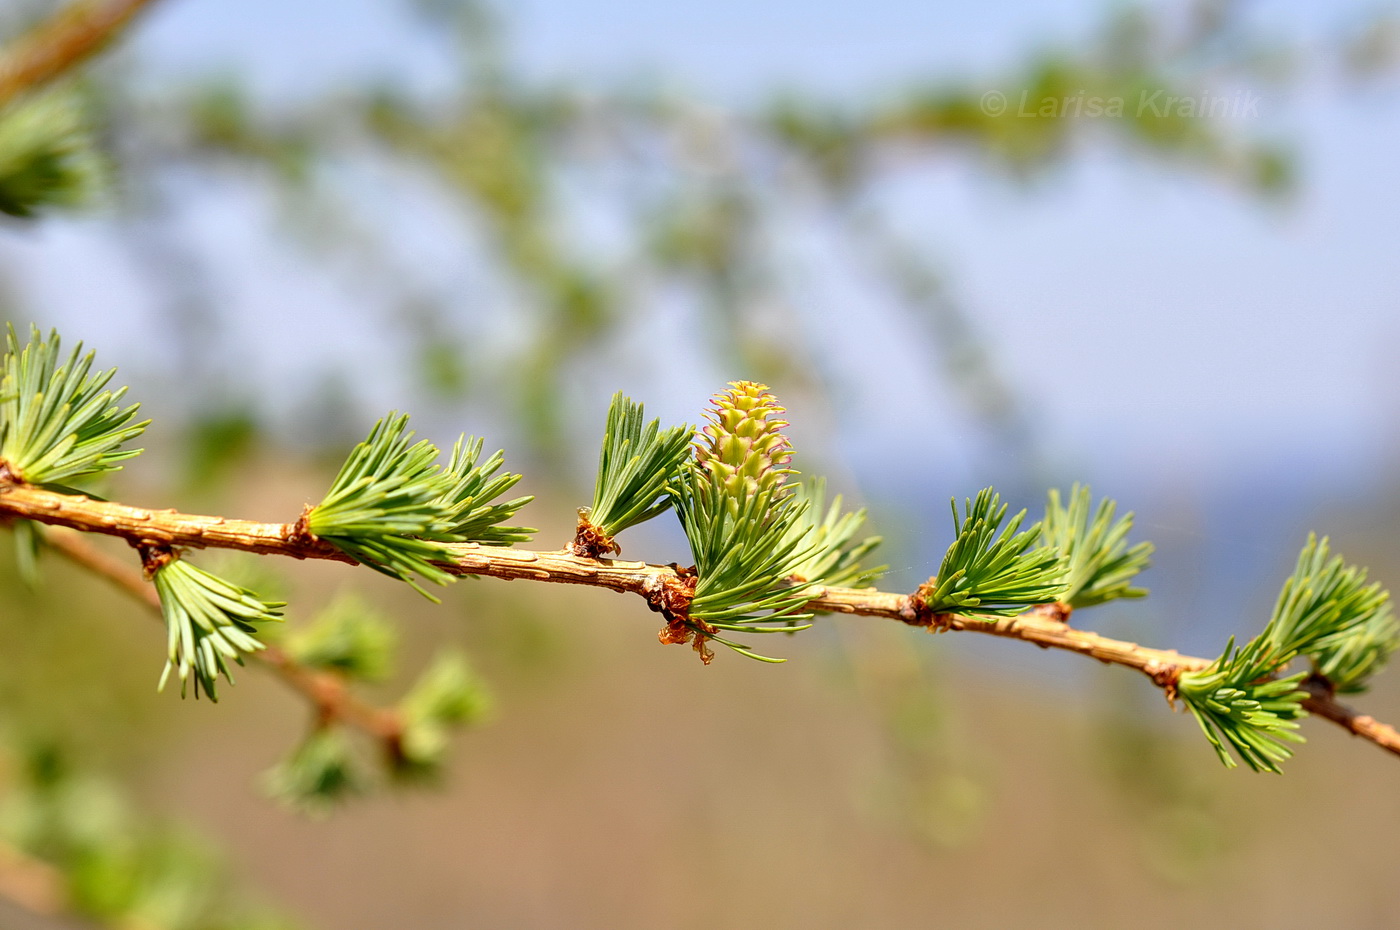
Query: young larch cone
(745, 447)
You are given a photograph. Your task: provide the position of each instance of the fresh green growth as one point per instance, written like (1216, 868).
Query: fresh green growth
(1324, 599)
(836, 555)
(1101, 564)
(469, 512)
(349, 638)
(746, 553)
(994, 574)
(318, 775)
(741, 521)
(746, 448)
(387, 497)
(1348, 659)
(57, 423)
(208, 622)
(1321, 609)
(637, 464)
(448, 695)
(46, 155)
(1255, 717)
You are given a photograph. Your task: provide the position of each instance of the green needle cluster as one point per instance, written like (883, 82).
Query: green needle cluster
(638, 461)
(58, 423)
(835, 553)
(209, 623)
(1326, 611)
(1347, 660)
(1256, 718)
(385, 500)
(1101, 565)
(351, 641)
(46, 155)
(742, 523)
(349, 638)
(991, 571)
(318, 775)
(447, 696)
(395, 509)
(471, 511)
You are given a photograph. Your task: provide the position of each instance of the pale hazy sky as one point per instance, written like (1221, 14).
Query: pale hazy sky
(1178, 317)
(1159, 321)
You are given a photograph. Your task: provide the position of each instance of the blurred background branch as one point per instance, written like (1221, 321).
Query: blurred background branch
(326, 693)
(62, 42)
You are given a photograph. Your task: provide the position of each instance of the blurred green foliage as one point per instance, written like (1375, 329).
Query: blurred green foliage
(693, 196)
(115, 865)
(48, 157)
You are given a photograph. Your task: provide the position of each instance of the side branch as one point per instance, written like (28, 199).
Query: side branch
(327, 693)
(658, 584)
(67, 39)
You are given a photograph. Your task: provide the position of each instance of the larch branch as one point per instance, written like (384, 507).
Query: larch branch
(1043, 626)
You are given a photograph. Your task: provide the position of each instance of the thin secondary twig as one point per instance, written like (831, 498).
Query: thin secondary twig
(1045, 627)
(328, 693)
(63, 41)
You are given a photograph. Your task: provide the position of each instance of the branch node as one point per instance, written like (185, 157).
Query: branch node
(590, 542)
(672, 597)
(1320, 684)
(917, 612)
(154, 557)
(299, 533)
(1166, 677)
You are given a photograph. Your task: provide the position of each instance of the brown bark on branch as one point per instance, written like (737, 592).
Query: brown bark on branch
(60, 43)
(659, 584)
